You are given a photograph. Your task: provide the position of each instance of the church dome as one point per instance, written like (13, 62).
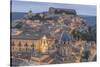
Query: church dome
(65, 36)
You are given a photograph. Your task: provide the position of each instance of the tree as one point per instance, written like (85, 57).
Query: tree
(89, 36)
(19, 25)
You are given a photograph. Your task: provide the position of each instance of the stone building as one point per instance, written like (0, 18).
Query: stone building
(39, 45)
(42, 45)
(18, 45)
(63, 46)
(53, 10)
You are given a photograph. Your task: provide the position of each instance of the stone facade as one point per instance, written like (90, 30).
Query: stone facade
(42, 45)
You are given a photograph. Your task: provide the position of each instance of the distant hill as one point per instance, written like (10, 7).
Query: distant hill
(17, 15)
(90, 20)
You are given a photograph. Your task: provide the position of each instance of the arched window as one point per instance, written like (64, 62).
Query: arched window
(32, 45)
(19, 45)
(12, 46)
(26, 45)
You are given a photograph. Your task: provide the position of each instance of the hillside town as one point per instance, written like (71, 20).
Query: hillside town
(54, 37)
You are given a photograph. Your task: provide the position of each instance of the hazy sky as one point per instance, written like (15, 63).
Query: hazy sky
(23, 6)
